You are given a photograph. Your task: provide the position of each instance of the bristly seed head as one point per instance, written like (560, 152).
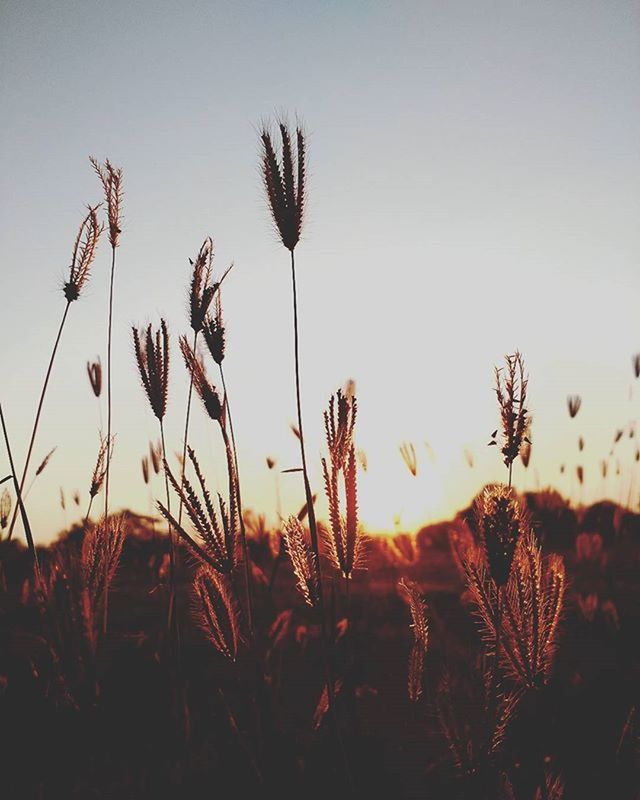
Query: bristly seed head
(420, 626)
(111, 179)
(217, 528)
(5, 509)
(152, 356)
(501, 521)
(155, 454)
(217, 611)
(84, 251)
(214, 332)
(100, 469)
(345, 546)
(285, 181)
(206, 390)
(303, 560)
(201, 290)
(511, 391)
(574, 401)
(94, 371)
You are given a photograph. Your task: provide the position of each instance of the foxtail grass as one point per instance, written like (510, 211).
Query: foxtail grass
(420, 626)
(111, 179)
(511, 393)
(285, 184)
(217, 410)
(152, 358)
(83, 254)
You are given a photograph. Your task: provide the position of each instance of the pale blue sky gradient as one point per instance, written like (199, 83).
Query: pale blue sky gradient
(474, 188)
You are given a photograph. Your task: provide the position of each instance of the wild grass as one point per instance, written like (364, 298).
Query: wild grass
(82, 257)
(289, 638)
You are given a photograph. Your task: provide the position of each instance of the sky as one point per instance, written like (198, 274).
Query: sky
(474, 189)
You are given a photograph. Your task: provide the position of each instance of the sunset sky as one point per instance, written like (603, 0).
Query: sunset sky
(474, 189)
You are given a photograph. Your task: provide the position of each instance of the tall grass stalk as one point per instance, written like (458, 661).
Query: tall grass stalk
(36, 423)
(285, 183)
(111, 179)
(84, 251)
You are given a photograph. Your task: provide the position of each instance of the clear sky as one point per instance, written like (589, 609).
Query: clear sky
(474, 189)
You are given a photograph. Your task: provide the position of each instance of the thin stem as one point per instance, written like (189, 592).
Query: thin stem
(347, 582)
(109, 329)
(86, 516)
(172, 588)
(186, 430)
(108, 466)
(510, 472)
(39, 411)
(243, 533)
(313, 530)
(23, 511)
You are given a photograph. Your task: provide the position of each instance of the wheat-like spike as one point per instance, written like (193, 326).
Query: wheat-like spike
(206, 391)
(534, 567)
(533, 603)
(200, 555)
(408, 453)
(144, 463)
(217, 549)
(553, 788)
(501, 520)
(233, 519)
(285, 188)
(482, 589)
(511, 392)
(303, 560)
(457, 741)
(5, 508)
(516, 626)
(214, 332)
(272, 177)
(339, 423)
(43, 464)
(84, 252)
(94, 371)
(201, 290)
(574, 403)
(553, 604)
(101, 550)
(335, 542)
(302, 179)
(323, 703)
(206, 496)
(505, 713)
(152, 357)
(111, 179)
(351, 506)
(287, 168)
(415, 672)
(155, 454)
(418, 608)
(217, 611)
(100, 469)
(70, 616)
(420, 626)
(343, 541)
